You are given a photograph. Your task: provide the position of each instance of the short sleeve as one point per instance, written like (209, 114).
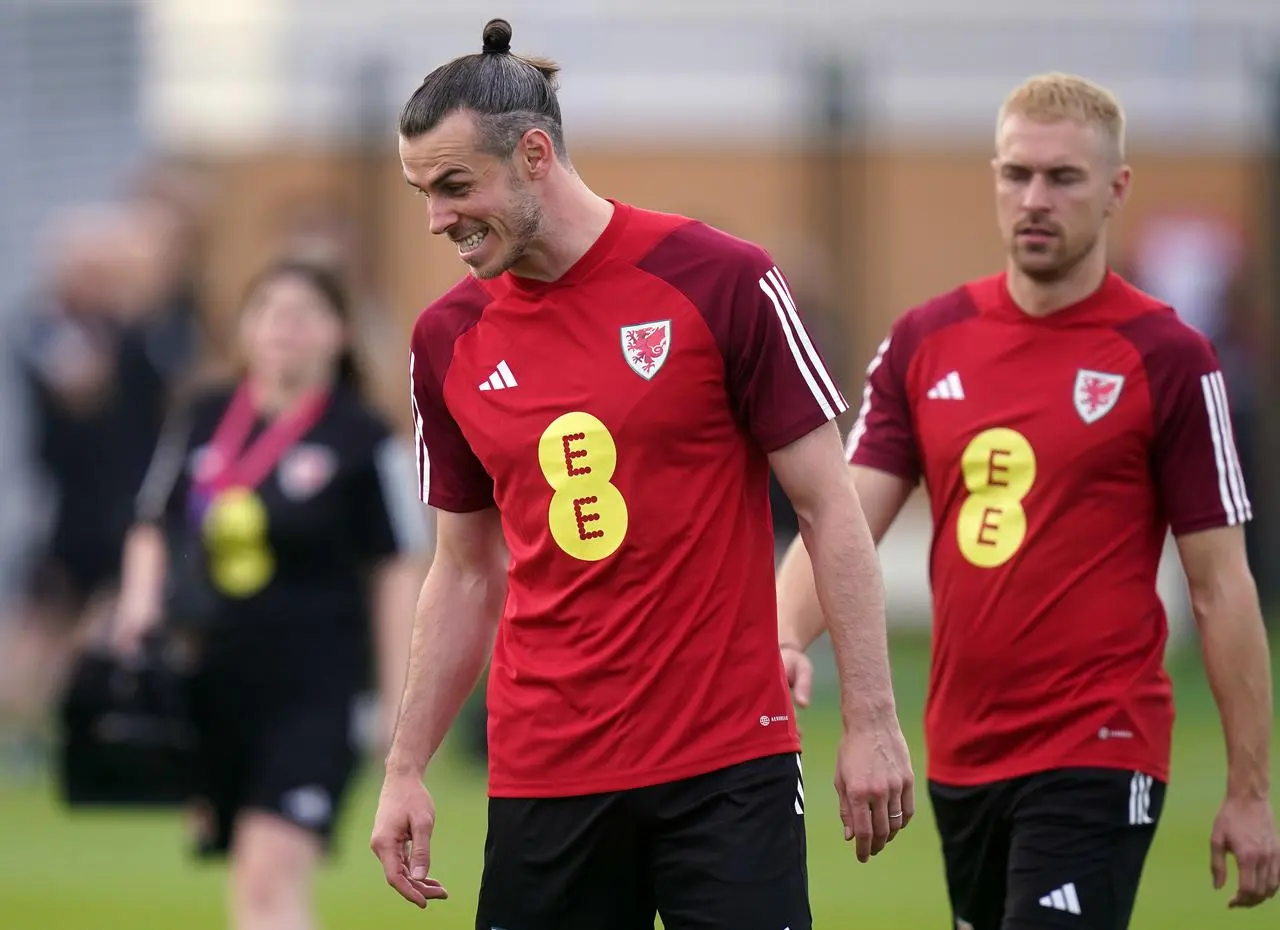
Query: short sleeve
(778, 380)
(1194, 458)
(165, 485)
(883, 436)
(390, 519)
(449, 475)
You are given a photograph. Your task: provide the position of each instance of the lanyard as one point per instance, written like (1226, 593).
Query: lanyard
(227, 463)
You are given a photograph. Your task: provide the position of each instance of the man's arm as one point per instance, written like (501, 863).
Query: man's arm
(881, 497)
(1237, 660)
(1238, 664)
(846, 572)
(457, 617)
(1202, 493)
(873, 768)
(458, 608)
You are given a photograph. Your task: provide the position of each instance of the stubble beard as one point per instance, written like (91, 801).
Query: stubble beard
(1055, 271)
(525, 225)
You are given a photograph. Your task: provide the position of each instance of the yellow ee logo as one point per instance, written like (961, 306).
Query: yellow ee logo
(999, 469)
(241, 562)
(587, 514)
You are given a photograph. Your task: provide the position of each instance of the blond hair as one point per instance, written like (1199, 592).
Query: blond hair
(1052, 97)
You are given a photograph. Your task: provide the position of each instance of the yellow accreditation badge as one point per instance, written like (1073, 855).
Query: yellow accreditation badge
(240, 559)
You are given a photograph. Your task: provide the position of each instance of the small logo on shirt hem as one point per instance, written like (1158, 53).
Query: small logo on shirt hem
(1109, 733)
(765, 719)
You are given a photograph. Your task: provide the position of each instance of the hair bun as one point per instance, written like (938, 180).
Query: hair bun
(497, 37)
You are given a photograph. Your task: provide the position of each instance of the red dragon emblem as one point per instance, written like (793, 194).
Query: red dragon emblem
(645, 347)
(1096, 393)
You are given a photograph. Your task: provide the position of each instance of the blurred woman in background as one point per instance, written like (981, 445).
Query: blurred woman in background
(267, 507)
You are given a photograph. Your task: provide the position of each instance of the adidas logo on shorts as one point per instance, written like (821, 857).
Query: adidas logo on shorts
(1062, 899)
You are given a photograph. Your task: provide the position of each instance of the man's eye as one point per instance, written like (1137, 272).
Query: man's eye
(455, 190)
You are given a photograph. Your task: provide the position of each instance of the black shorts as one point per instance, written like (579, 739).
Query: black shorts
(1063, 848)
(725, 849)
(294, 762)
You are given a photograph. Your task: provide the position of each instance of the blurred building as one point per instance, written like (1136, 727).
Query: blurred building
(860, 131)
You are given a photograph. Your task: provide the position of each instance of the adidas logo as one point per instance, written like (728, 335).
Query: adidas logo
(949, 388)
(1063, 899)
(500, 379)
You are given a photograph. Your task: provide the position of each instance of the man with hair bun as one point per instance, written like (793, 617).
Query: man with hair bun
(1063, 423)
(599, 404)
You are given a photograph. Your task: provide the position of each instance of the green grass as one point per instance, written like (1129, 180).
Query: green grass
(60, 871)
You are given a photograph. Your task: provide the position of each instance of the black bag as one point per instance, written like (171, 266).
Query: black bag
(126, 739)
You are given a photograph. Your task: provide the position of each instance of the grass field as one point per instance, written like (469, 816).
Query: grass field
(103, 872)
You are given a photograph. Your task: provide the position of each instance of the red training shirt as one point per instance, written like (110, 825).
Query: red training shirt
(620, 419)
(1057, 452)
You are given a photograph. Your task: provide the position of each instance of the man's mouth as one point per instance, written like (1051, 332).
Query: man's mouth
(1037, 232)
(472, 242)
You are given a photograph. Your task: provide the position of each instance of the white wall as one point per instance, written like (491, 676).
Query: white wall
(237, 71)
(213, 70)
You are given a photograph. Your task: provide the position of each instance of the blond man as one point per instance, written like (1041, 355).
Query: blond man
(1063, 422)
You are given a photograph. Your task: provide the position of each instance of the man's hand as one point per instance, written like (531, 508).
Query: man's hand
(402, 838)
(1246, 828)
(875, 785)
(799, 673)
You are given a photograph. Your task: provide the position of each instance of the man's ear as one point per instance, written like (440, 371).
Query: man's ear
(536, 153)
(1121, 184)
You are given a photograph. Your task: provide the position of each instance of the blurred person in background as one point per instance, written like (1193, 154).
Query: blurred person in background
(172, 199)
(278, 528)
(22, 520)
(1063, 422)
(95, 397)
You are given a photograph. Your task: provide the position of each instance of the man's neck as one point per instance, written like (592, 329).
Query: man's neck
(1039, 298)
(573, 218)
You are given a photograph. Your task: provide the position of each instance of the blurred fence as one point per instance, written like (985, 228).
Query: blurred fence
(70, 126)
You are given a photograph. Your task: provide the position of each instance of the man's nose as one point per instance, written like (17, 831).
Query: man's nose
(441, 215)
(1035, 198)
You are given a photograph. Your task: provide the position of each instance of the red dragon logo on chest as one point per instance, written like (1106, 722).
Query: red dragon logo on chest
(646, 347)
(1096, 394)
